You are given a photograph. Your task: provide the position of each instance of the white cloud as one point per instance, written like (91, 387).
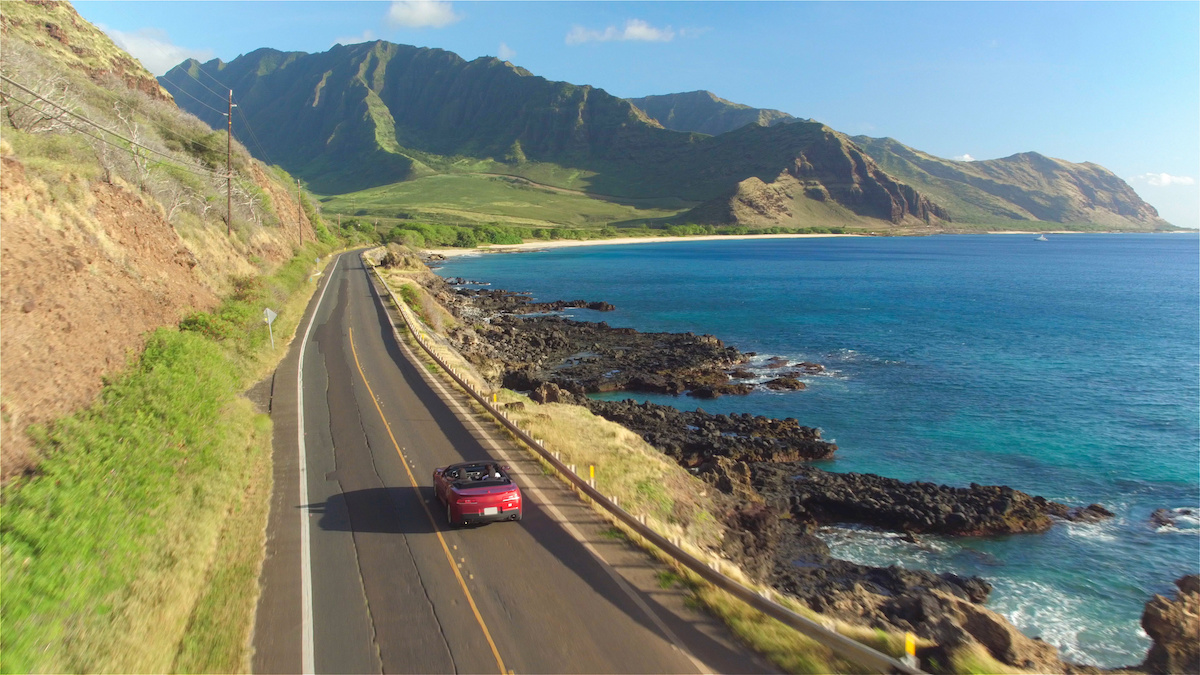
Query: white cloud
(635, 29)
(505, 52)
(1163, 179)
(422, 14)
(964, 158)
(367, 36)
(153, 48)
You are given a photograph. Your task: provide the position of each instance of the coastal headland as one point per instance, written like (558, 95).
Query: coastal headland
(775, 500)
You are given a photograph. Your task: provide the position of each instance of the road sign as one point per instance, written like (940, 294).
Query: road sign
(269, 316)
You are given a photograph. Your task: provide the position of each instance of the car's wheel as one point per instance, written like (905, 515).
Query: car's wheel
(518, 516)
(450, 516)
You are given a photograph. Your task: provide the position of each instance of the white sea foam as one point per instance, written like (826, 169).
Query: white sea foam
(1102, 532)
(1061, 618)
(764, 370)
(879, 548)
(1042, 610)
(1185, 519)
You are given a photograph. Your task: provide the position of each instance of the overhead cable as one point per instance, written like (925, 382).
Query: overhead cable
(98, 126)
(185, 91)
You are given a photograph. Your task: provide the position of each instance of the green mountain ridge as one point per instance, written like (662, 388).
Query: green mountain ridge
(373, 114)
(706, 113)
(1024, 186)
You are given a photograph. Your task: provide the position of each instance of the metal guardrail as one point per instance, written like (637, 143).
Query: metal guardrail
(841, 645)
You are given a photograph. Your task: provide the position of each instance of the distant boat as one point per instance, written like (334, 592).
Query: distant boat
(1041, 237)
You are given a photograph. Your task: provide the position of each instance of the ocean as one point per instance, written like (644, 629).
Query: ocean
(1068, 369)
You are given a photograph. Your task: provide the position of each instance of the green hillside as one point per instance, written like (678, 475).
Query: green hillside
(373, 114)
(1024, 187)
(472, 199)
(377, 113)
(706, 113)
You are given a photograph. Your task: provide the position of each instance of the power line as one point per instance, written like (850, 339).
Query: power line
(185, 91)
(254, 136)
(81, 117)
(204, 72)
(188, 72)
(245, 120)
(148, 159)
(113, 96)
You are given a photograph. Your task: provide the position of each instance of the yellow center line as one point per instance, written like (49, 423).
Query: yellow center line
(413, 480)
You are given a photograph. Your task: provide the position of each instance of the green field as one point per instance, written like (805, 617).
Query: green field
(477, 199)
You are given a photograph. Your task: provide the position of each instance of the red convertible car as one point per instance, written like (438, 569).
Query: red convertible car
(477, 492)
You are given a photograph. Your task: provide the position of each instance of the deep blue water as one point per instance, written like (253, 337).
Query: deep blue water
(1068, 369)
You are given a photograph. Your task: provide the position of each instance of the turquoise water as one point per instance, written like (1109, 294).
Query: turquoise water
(1068, 369)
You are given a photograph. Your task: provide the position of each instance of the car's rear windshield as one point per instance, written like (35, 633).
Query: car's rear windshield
(466, 484)
(488, 475)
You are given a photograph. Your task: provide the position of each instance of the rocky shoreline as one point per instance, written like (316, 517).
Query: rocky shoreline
(762, 464)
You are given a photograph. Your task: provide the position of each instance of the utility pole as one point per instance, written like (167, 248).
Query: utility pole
(299, 224)
(229, 170)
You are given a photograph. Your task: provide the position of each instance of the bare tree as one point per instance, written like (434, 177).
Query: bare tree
(244, 199)
(173, 194)
(141, 162)
(27, 112)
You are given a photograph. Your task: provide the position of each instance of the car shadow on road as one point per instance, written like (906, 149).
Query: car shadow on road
(384, 510)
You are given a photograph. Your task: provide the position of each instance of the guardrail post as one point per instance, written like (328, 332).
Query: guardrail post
(910, 650)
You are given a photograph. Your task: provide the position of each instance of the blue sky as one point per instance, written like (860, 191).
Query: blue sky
(1115, 83)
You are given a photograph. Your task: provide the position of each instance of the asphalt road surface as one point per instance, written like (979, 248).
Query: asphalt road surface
(392, 587)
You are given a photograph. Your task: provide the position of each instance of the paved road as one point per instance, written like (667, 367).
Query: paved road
(393, 589)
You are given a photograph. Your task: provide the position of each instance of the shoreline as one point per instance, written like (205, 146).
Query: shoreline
(565, 243)
(450, 252)
(1051, 621)
(761, 473)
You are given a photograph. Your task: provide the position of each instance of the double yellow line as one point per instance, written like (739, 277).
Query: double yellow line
(432, 522)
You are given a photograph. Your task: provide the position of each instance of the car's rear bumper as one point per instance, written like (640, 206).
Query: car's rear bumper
(509, 514)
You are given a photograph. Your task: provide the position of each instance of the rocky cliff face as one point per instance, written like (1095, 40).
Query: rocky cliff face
(706, 113)
(1174, 625)
(56, 30)
(827, 173)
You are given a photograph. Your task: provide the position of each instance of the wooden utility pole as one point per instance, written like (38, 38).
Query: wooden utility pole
(229, 170)
(299, 224)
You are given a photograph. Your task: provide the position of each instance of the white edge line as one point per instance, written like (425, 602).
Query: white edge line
(306, 611)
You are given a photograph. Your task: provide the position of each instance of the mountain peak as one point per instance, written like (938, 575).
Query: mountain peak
(704, 112)
(377, 113)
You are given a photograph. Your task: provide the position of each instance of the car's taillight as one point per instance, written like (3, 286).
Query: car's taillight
(512, 496)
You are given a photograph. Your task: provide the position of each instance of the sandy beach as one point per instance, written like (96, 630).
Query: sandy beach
(563, 243)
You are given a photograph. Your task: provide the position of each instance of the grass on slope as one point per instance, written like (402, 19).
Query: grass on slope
(136, 546)
(482, 199)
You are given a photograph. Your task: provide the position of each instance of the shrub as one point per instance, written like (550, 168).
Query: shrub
(206, 324)
(466, 239)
